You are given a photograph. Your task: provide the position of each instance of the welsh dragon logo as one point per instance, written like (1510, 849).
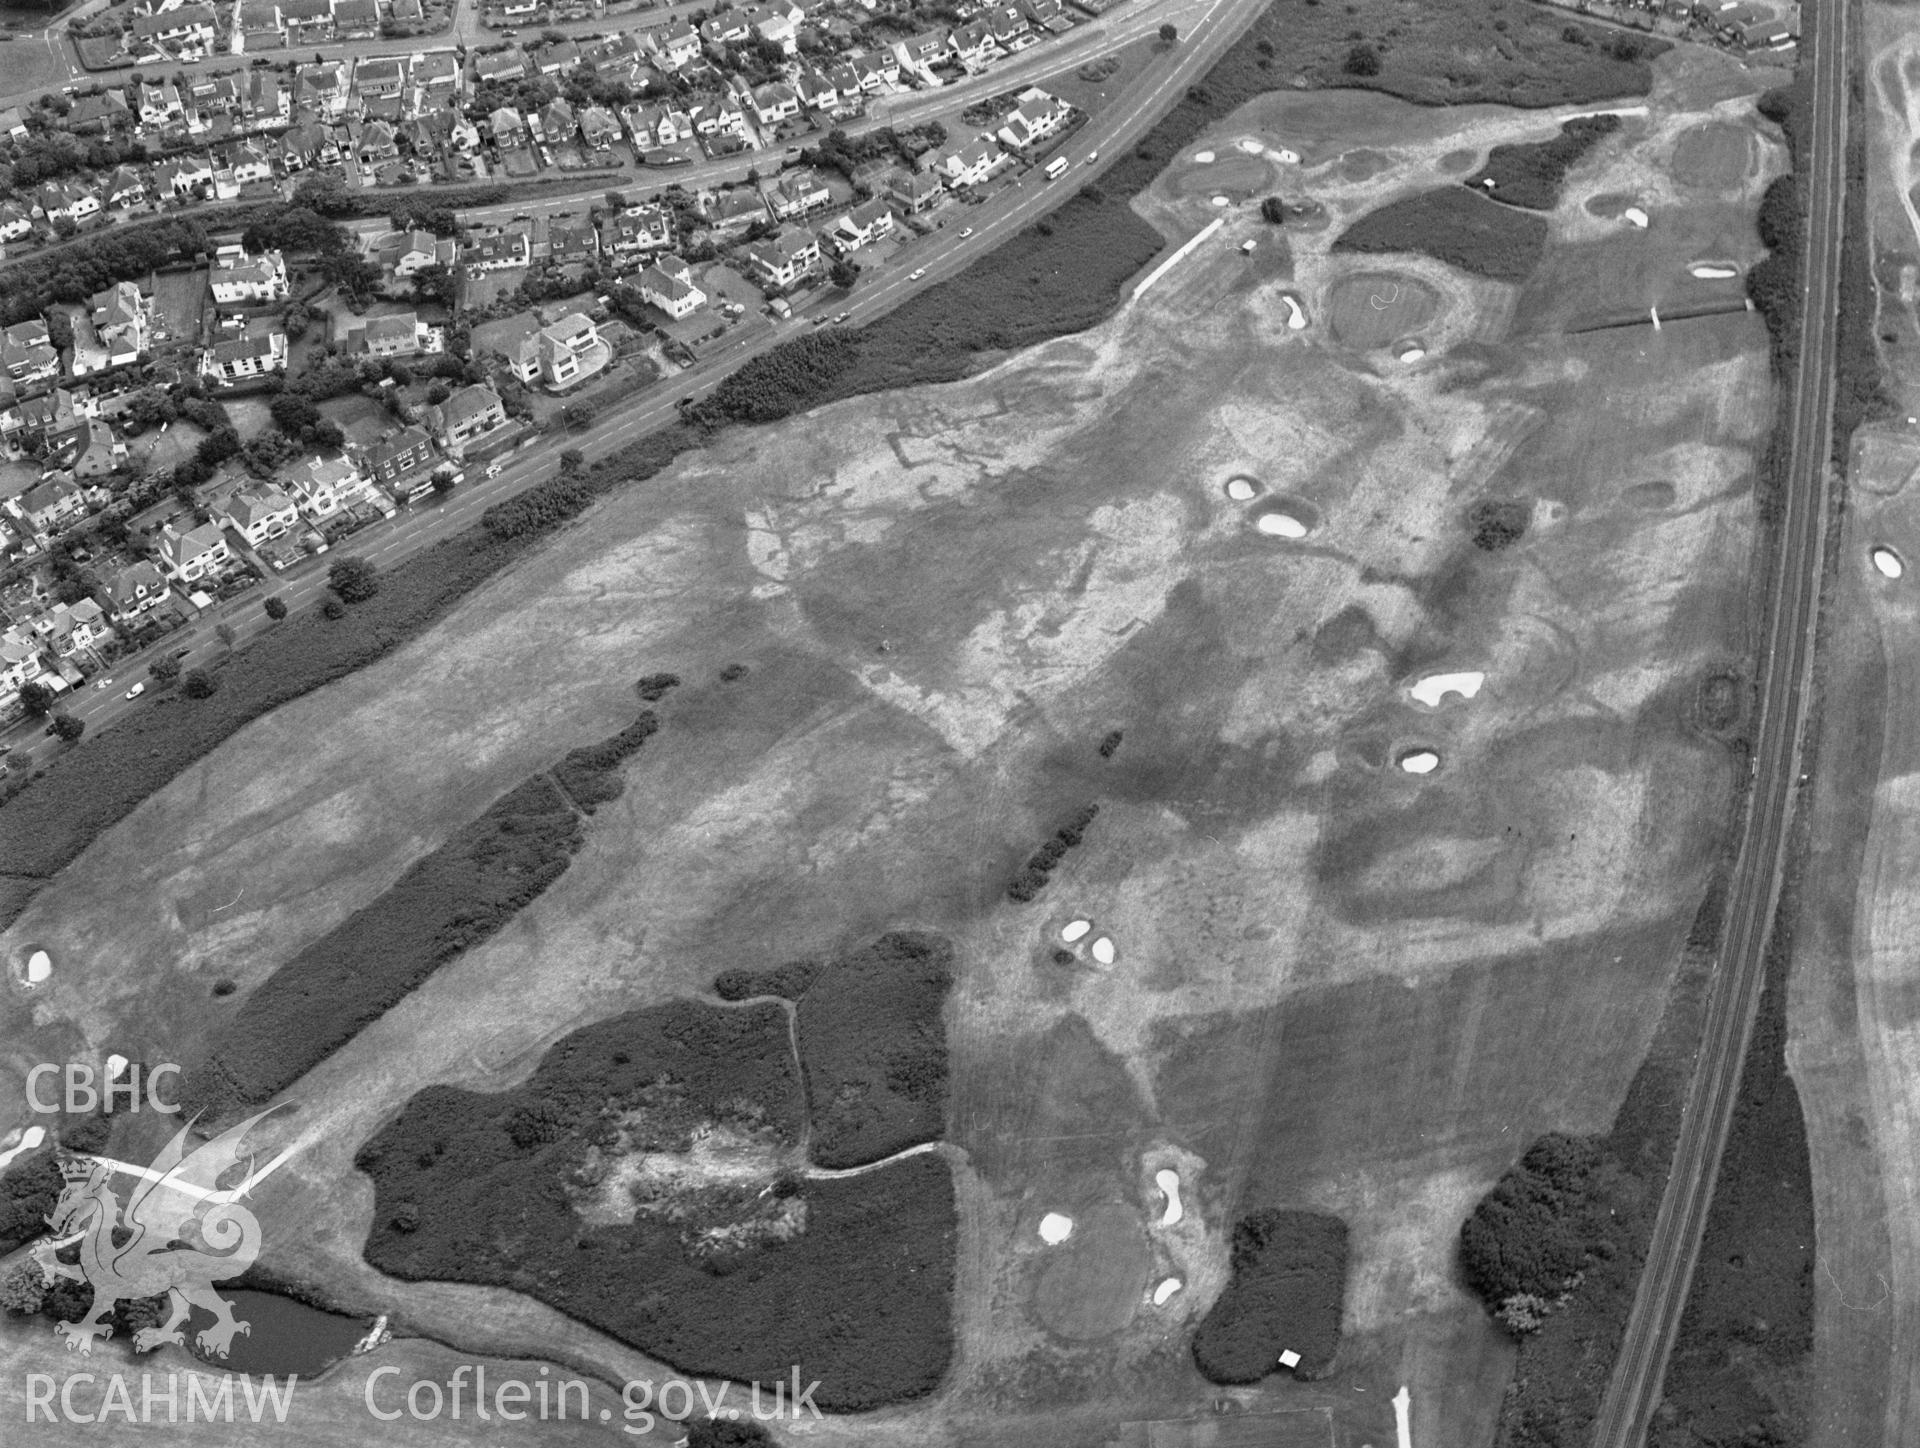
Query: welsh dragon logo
(179, 1233)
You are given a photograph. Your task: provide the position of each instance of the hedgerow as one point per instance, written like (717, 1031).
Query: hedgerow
(1529, 173)
(591, 774)
(1457, 227)
(1033, 875)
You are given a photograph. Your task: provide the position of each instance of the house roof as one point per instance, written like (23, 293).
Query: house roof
(127, 583)
(249, 506)
(657, 280)
(183, 547)
(569, 328)
(403, 441)
(395, 328)
(241, 348)
(469, 403)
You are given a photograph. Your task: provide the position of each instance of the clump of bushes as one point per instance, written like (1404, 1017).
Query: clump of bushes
(1498, 523)
(1527, 1242)
(1111, 744)
(1289, 1279)
(1530, 173)
(733, 673)
(1032, 878)
(591, 773)
(653, 687)
(352, 579)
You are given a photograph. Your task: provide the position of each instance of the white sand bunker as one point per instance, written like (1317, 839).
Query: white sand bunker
(115, 1065)
(1250, 146)
(1220, 201)
(1420, 761)
(1055, 1229)
(1169, 1184)
(1435, 687)
(1888, 562)
(1280, 525)
(1412, 352)
(39, 967)
(30, 1140)
(1634, 216)
(1708, 271)
(1165, 1290)
(1203, 158)
(1241, 490)
(1296, 317)
(1074, 929)
(1103, 951)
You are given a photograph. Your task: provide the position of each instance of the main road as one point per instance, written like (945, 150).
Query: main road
(1218, 23)
(1786, 691)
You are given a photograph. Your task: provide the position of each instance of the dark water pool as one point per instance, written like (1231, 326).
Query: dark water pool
(286, 1336)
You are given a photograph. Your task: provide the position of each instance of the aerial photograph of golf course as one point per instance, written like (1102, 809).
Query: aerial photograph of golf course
(1248, 785)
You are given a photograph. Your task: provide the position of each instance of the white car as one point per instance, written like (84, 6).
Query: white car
(137, 690)
(1092, 156)
(916, 274)
(965, 232)
(493, 470)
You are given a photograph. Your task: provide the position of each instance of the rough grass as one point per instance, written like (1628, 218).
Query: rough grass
(1457, 227)
(481, 1188)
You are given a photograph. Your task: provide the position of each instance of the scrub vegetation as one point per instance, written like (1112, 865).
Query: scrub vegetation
(1289, 1279)
(1529, 174)
(1455, 226)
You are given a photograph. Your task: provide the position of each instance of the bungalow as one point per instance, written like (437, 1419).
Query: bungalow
(500, 66)
(26, 353)
(267, 100)
(557, 58)
(867, 223)
(814, 90)
(245, 357)
(572, 241)
(1006, 22)
(717, 114)
(1765, 35)
(407, 12)
(379, 77)
(798, 192)
(260, 27)
(13, 125)
(652, 126)
(124, 320)
(668, 285)
(160, 103)
(635, 231)
(407, 253)
(57, 199)
(50, 506)
(876, 70)
(356, 19)
(784, 259)
(236, 277)
(186, 29)
(403, 455)
(729, 27)
(928, 48)
(436, 76)
(185, 175)
(14, 223)
(469, 415)
(86, 446)
(306, 144)
(917, 191)
(1047, 15)
(258, 514)
(730, 212)
(195, 554)
(98, 114)
(242, 163)
(135, 590)
(498, 250)
(377, 145)
(599, 127)
(775, 102)
(306, 21)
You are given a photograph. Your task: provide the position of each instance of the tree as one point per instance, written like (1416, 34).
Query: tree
(333, 608)
(227, 634)
(353, 580)
(1274, 210)
(1362, 60)
(1169, 33)
(23, 1289)
(166, 668)
(572, 460)
(69, 728)
(37, 698)
(276, 608)
(438, 392)
(843, 274)
(199, 684)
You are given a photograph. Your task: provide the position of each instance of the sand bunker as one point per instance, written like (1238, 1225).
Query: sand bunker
(1055, 1229)
(1075, 929)
(1296, 317)
(1419, 761)
(1273, 153)
(1203, 157)
(1169, 1184)
(116, 1063)
(1712, 271)
(30, 1140)
(1412, 352)
(1220, 201)
(1165, 1290)
(1379, 308)
(39, 967)
(1435, 687)
(1635, 216)
(1242, 490)
(1103, 951)
(1888, 562)
(1276, 524)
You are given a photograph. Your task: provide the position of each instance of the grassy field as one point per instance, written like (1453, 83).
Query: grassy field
(1335, 987)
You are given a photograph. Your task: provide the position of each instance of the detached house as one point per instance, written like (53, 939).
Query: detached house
(26, 353)
(599, 127)
(570, 352)
(668, 285)
(402, 456)
(399, 335)
(675, 46)
(184, 175)
(774, 103)
(98, 114)
(636, 231)
(798, 192)
(867, 223)
(972, 164)
(48, 507)
(327, 486)
(379, 77)
(136, 590)
(498, 250)
(189, 28)
(124, 321)
(260, 26)
(259, 514)
(468, 416)
(916, 191)
(245, 357)
(782, 260)
(1037, 118)
(237, 277)
(125, 188)
(407, 253)
(195, 554)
